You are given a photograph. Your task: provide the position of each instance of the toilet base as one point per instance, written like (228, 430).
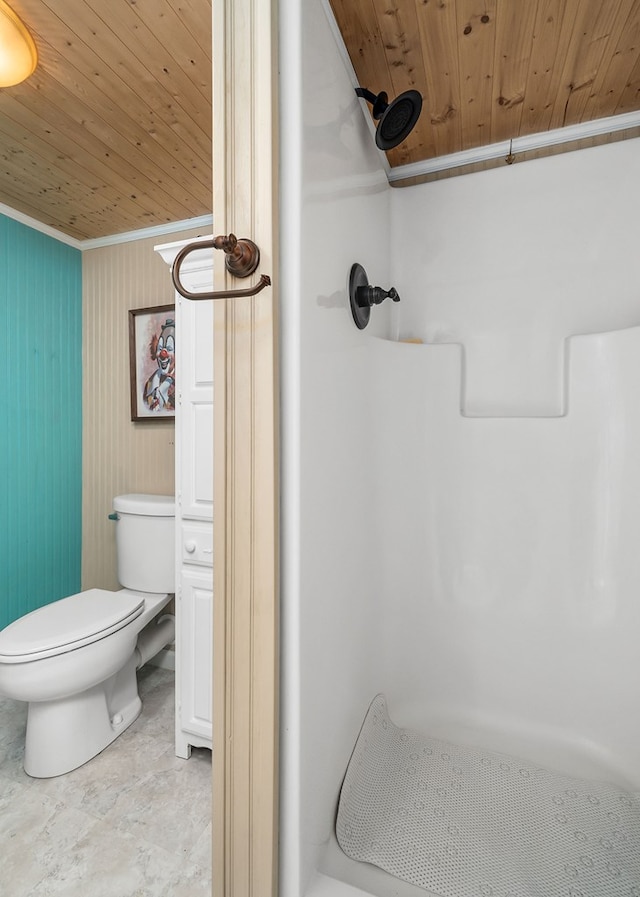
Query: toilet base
(64, 734)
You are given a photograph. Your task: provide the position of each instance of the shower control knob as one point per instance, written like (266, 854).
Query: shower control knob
(363, 296)
(368, 296)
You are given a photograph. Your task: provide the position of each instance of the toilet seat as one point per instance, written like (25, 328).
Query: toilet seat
(68, 624)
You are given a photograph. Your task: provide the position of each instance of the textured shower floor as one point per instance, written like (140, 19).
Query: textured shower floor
(463, 822)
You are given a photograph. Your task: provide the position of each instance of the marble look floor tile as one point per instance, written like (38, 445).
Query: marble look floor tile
(12, 760)
(37, 835)
(189, 881)
(169, 807)
(13, 718)
(158, 704)
(200, 854)
(103, 863)
(133, 822)
(96, 786)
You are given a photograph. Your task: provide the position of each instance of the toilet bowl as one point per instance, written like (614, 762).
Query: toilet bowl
(75, 660)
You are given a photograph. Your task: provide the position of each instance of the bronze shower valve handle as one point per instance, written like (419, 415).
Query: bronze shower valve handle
(242, 256)
(363, 295)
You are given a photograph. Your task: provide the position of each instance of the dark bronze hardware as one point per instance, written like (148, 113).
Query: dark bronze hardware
(510, 158)
(242, 259)
(362, 295)
(242, 256)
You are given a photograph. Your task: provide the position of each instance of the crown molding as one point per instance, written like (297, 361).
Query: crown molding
(542, 140)
(160, 230)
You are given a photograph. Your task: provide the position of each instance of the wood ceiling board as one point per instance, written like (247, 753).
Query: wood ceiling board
(76, 150)
(552, 32)
(153, 55)
(113, 131)
(101, 101)
(61, 158)
(359, 27)
(134, 150)
(630, 99)
(57, 198)
(614, 79)
(83, 51)
(512, 54)
(440, 126)
(398, 26)
(195, 17)
(589, 49)
(523, 68)
(162, 21)
(475, 45)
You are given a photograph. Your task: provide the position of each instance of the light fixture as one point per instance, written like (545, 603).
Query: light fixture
(18, 54)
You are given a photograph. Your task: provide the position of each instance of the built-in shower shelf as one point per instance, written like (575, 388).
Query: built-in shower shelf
(507, 375)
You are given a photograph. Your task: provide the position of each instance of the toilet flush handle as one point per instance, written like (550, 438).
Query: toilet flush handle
(114, 516)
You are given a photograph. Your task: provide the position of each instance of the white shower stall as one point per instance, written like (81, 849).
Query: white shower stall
(461, 515)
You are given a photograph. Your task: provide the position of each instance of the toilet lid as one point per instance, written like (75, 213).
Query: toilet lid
(67, 624)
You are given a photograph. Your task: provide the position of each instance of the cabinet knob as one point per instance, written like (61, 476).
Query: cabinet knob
(190, 546)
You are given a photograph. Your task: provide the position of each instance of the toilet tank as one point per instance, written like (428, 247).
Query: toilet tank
(145, 542)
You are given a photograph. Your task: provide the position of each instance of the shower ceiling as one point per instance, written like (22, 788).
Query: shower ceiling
(495, 70)
(113, 130)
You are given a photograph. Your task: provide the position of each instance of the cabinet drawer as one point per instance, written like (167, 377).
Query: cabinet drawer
(197, 544)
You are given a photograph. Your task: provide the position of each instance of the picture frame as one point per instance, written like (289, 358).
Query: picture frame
(152, 362)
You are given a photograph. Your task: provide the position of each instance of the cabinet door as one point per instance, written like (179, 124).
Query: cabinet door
(194, 441)
(193, 724)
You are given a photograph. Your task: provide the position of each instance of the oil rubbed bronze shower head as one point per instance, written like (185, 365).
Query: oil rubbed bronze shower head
(396, 119)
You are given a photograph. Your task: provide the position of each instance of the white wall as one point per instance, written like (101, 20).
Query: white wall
(335, 210)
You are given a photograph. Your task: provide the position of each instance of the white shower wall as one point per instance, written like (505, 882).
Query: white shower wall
(335, 211)
(512, 573)
(480, 568)
(509, 262)
(516, 597)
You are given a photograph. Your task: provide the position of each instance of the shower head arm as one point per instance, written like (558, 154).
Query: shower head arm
(379, 102)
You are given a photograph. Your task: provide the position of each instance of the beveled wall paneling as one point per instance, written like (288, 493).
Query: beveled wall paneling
(40, 449)
(119, 456)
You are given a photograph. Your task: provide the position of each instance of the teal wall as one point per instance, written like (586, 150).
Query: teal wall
(41, 423)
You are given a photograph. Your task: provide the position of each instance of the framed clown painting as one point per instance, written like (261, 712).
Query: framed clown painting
(152, 360)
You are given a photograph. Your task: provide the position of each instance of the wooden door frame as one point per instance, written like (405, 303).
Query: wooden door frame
(246, 625)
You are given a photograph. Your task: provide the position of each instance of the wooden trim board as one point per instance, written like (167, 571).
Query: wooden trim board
(245, 640)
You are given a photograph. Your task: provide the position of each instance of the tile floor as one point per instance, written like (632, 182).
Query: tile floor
(133, 822)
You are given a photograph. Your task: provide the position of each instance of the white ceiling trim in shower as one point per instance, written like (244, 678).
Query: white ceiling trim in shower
(543, 140)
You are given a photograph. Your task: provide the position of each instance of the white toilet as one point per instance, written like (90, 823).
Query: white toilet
(75, 660)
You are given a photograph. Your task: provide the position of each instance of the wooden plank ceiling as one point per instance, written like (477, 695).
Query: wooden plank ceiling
(112, 132)
(494, 70)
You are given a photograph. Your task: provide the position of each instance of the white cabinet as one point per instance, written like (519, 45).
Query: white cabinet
(194, 502)
(193, 705)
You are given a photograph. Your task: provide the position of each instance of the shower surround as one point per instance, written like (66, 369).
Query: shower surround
(461, 516)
